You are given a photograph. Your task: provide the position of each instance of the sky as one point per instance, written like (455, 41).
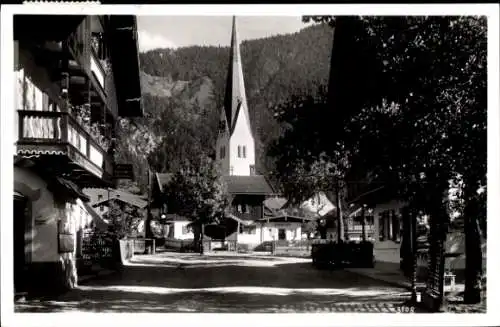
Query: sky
(179, 31)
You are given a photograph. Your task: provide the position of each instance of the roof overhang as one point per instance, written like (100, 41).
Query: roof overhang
(286, 218)
(105, 202)
(239, 220)
(66, 187)
(45, 27)
(125, 65)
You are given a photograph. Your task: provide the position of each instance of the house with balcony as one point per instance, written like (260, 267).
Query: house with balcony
(75, 76)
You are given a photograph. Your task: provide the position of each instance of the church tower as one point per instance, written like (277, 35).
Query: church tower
(235, 143)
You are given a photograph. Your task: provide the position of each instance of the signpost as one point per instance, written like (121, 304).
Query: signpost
(123, 171)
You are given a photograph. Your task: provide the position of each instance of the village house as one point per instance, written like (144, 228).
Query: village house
(74, 77)
(100, 198)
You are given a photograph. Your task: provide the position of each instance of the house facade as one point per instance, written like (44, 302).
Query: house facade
(383, 213)
(74, 77)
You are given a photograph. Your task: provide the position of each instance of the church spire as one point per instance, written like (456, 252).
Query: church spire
(235, 97)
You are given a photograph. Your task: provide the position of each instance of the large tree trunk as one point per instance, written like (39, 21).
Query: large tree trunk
(340, 218)
(438, 229)
(473, 253)
(363, 224)
(196, 235)
(414, 254)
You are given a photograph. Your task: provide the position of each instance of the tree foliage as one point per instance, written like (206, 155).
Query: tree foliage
(198, 192)
(420, 118)
(124, 219)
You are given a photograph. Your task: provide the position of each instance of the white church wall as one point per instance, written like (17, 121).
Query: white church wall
(242, 136)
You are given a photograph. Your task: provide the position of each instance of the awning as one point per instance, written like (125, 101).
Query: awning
(99, 222)
(66, 187)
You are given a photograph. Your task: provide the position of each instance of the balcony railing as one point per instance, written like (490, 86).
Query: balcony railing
(97, 69)
(58, 132)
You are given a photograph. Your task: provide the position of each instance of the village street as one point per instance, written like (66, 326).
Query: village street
(179, 282)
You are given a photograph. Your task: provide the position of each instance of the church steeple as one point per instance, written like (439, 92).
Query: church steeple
(235, 96)
(235, 142)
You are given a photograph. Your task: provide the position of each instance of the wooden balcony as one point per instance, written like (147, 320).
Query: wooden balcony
(61, 144)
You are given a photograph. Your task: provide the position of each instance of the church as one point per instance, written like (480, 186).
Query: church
(235, 152)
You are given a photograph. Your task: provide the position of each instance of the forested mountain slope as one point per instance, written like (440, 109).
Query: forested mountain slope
(183, 93)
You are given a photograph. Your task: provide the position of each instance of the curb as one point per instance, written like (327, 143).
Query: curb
(86, 278)
(402, 284)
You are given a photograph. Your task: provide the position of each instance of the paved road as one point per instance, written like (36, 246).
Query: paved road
(174, 282)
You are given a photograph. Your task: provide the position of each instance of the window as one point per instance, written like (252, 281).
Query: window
(222, 153)
(250, 230)
(252, 170)
(222, 126)
(244, 151)
(99, 197)
(186, 229)
(239, 151)
(101, 208)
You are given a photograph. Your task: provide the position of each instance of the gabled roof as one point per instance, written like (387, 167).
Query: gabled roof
(318, 203)
(136, 202)
(114, 194)
(275, 203)
(254, 185)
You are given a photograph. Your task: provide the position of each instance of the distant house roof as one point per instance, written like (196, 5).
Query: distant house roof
(275, 203)
(256, 185)
(99, 222)
(163, 179)
(136, 202)
(115, 194)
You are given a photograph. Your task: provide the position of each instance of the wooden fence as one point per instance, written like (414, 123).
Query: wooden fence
(300, 248)
(98, 249)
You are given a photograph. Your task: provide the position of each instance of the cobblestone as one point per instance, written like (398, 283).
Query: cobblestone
(190, 283)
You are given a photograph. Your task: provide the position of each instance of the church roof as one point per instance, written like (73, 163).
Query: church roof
(235, 96)
(254, 185)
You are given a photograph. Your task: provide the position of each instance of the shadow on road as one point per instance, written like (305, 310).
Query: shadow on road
(232, 287)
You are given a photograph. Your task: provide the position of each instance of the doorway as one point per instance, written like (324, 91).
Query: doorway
(21, 214)
(281, 234)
